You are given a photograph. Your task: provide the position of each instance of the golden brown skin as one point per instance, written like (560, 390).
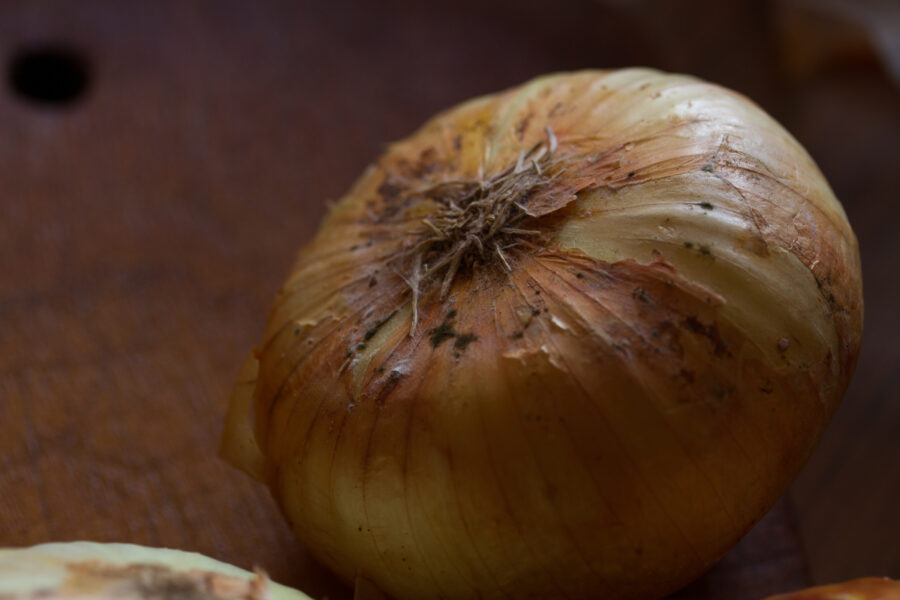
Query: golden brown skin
(597, 401)
(866, 588)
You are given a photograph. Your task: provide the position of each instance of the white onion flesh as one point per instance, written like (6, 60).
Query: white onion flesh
(95, 571)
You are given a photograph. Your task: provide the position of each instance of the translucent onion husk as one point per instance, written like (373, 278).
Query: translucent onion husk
(864, 588)
(570, 340)
(95, 571)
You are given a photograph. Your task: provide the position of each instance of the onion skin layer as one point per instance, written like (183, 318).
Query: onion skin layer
(604, 410)
(865, 588)
(95, 571)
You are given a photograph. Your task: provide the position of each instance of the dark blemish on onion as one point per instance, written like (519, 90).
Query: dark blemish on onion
(708, 168)
(640, 294)
(389, 190)
(427, 163)
(440, 334)
(463, 340)
(443, 332)
(710, 332)
(392, 196)
(705, 205)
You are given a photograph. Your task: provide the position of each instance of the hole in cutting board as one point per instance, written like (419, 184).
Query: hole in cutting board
(48, 74)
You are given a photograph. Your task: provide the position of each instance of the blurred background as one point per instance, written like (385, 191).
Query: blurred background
(161, 162)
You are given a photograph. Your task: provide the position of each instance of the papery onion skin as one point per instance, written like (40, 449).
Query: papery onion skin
(602, 411)
(864, 588)
(96, 571)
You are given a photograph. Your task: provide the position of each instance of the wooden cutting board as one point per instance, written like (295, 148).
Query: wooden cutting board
(147, 221)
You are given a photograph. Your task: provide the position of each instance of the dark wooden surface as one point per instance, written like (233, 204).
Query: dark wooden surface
(145, 227)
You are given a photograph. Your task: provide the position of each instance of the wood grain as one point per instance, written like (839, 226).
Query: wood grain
(144, 230)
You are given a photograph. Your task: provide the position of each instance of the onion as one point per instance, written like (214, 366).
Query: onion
(865, 588)
(88, 570)
(570, 340)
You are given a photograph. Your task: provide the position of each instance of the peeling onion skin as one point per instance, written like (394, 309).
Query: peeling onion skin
(605, 417)
(95, 571)
(865, 588)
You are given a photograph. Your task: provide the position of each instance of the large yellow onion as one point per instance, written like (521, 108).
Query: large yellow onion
(570, 340)
(92, 571)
